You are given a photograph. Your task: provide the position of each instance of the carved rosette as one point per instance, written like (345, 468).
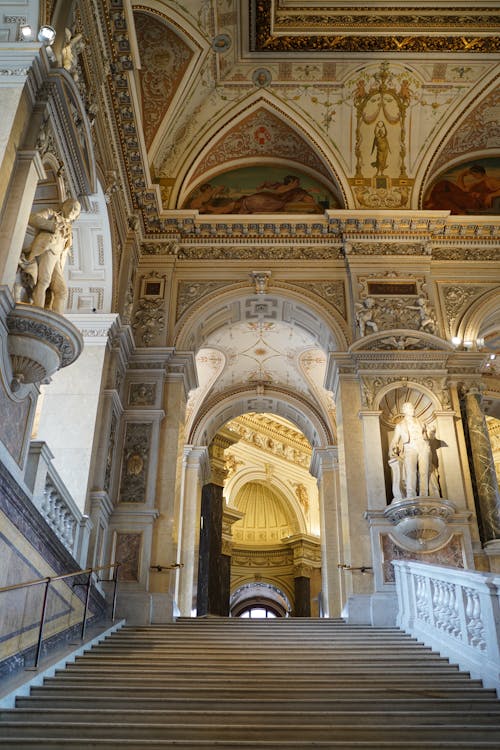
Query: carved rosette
(40, 343)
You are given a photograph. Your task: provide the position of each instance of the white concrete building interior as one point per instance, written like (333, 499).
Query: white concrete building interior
(249, 310)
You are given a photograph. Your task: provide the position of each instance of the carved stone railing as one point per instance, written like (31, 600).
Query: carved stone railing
(456, 612)
(55, 503)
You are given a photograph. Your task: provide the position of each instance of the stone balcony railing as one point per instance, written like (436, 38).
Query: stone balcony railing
(55, 503)
(454, 611)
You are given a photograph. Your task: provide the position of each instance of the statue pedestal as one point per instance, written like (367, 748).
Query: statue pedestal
(40, 342)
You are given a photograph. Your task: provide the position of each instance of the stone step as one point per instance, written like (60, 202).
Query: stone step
(53, 743)
(251, 731)
(264, 718)
(354, 701)
(282, 665)
(100, 691)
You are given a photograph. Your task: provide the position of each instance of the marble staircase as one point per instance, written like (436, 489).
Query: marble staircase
(221, 683)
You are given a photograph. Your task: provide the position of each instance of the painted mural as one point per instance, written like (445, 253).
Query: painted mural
(262, 190)
(469, 188)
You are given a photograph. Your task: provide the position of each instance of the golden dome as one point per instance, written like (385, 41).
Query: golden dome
(267, 518)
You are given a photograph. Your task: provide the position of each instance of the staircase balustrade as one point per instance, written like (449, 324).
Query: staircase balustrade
(456, 612)
(55, 503)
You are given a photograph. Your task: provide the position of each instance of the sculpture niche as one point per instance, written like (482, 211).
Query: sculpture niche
(412, 460)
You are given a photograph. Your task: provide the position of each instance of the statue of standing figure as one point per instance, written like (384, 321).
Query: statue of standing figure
(44, 260)
(410, 443)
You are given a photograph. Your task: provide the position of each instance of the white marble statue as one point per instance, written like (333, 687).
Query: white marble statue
(44, 260)
(410, 442)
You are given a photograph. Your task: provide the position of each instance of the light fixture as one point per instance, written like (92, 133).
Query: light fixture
(25, 33)
(493, 356)
(468, 344)
(47, 35)
(456, 340)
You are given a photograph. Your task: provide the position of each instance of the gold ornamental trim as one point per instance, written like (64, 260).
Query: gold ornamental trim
(343, 30)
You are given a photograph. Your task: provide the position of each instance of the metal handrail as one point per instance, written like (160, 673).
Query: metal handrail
(50, 579)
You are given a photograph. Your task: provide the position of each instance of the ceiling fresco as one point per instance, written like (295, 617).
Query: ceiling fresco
(472, 187)
(262, 190)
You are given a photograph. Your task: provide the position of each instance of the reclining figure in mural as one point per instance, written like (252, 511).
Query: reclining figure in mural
(42, 264)
(410, 443)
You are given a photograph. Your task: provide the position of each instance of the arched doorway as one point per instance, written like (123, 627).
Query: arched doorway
(259, 601)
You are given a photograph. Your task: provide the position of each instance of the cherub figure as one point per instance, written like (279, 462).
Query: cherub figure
(365, 312)
(426, 314)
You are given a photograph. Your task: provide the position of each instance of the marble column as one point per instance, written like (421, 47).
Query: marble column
(324, 466)
(195, 468)
(450, 473)
(213, 567)
(488, 495)
(302, 587)
(374, 460)
(71, 399)
(214, 570)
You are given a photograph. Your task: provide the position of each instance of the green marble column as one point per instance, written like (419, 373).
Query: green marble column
(488, 495)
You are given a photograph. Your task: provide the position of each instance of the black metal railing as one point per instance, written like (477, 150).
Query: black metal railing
(48, 580)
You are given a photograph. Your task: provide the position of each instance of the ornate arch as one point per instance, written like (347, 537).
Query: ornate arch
(223, 407)
(303, 307)
(486, 308)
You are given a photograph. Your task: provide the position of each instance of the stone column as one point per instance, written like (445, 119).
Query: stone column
(324, 466)
(374, 460)
(195, 468)
(19, 201)
(488, 495)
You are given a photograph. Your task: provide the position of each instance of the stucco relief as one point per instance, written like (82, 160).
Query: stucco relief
(331, 292)
(189, 292)
(451, 554)
(458, 297)
(127, 552)
(135, 462)
(165, 58)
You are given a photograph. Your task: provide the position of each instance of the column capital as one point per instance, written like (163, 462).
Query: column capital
(196, 457)
(182, 366)
(96, 328)
(324, 458)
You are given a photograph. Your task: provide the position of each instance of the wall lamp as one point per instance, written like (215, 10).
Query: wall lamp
(25, 33)
(47, 35)
(362, 568)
